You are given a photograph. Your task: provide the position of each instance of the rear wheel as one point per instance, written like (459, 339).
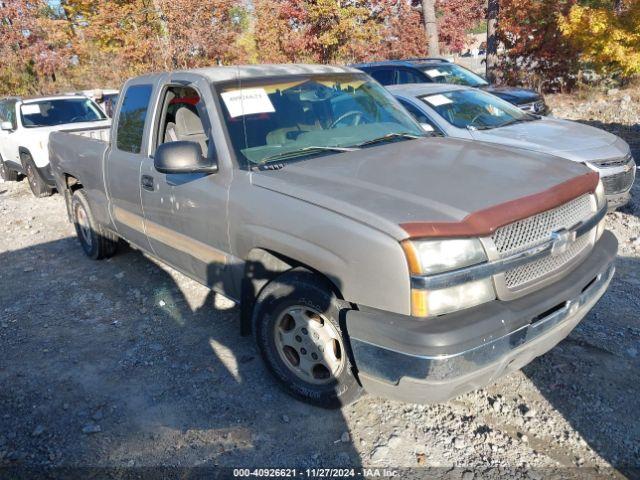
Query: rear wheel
(37, 184)
(297, 329)
(96, 242)
(6, 173)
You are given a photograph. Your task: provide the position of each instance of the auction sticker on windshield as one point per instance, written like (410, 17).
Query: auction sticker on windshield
(31, 109)
(438, 100)
(435, 73)
(247, 101)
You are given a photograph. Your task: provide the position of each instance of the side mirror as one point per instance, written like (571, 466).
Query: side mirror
(427, 127)
(183, 157)
(6, 126)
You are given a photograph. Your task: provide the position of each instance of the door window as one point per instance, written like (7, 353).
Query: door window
(409, 76)
(384, 76)
(183, 118)
(420, 116)
(8, 112)
(133, 114)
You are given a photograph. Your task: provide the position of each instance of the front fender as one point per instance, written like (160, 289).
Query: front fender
(365, 266)
(39, 153)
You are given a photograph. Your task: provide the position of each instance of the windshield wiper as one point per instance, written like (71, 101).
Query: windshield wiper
(389, 136)
(305, 151)
(481, 127)
(513, 121)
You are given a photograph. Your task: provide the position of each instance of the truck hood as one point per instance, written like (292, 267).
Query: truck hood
(425, 180)
(570, 140)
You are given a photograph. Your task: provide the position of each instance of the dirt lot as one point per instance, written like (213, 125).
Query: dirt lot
(128, 363)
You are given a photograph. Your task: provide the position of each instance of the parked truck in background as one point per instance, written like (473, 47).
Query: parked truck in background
(364, 254)
(25, 125)
(105, 98)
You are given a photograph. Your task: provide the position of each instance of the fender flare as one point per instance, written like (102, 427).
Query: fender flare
(25, 151)
(260, 267)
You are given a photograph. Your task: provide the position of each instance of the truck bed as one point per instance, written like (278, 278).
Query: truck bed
(79, 153)
(102, 134)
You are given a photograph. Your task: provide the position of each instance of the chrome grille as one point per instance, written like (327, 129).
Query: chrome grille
(612, 162)
(532, 231)
(618, 183)
(524, 274)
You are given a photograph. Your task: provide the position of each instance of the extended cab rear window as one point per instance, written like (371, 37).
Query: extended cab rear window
(133, 114)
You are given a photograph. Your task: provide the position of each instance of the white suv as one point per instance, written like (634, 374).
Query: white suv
(25, 125)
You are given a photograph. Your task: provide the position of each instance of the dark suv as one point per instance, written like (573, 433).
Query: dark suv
(438, 70)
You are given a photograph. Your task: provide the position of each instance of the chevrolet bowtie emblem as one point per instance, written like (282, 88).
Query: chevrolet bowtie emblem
(562, 240)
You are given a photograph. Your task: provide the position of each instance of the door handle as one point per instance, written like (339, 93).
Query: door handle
(147, 183)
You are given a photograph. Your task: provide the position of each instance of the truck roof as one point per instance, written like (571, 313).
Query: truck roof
(239, 72)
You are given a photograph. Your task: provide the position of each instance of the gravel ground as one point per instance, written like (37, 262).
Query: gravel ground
(128, 363)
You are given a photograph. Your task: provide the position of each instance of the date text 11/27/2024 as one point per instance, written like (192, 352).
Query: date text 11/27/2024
(315, 472)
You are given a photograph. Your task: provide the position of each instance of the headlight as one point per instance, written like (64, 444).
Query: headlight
(428, 257)
(447, 300)
(601, 199)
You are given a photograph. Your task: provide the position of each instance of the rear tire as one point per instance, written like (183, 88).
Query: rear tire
(38, 186)
(296, 324)
(96, 242)
(6, 173)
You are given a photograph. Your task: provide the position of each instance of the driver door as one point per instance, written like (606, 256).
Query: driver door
(185, 214)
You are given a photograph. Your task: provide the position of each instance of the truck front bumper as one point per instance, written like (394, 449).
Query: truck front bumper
(433, 360)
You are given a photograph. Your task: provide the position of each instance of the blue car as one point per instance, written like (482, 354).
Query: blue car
(439, 70)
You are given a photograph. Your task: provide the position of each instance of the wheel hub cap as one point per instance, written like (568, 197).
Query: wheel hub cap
(83, 223)
(309, 345)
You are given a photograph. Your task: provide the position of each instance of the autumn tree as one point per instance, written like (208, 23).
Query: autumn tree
(200, 33)
(455, 19)
(450, 22)
(279, 37)
(401, 30)
(605, 37)
(536, 53)
(114, 39)
(324, 31)
(33, 50)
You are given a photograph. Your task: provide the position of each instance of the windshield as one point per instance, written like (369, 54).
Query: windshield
(274, 120)
(475, 108)
(49, 113)
(451, 73)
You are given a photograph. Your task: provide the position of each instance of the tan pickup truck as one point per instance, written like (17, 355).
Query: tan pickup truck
(366, 255)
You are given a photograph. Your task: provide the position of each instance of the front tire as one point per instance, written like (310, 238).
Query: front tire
(6, 173)
(96, 242)
(38, 186)
(296, 324)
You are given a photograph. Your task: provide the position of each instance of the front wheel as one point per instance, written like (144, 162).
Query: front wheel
(296, 324)
(95, 241)
(38, 186)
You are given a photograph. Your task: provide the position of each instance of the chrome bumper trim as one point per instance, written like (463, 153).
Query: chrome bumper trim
(444, 367)
(488, 269)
